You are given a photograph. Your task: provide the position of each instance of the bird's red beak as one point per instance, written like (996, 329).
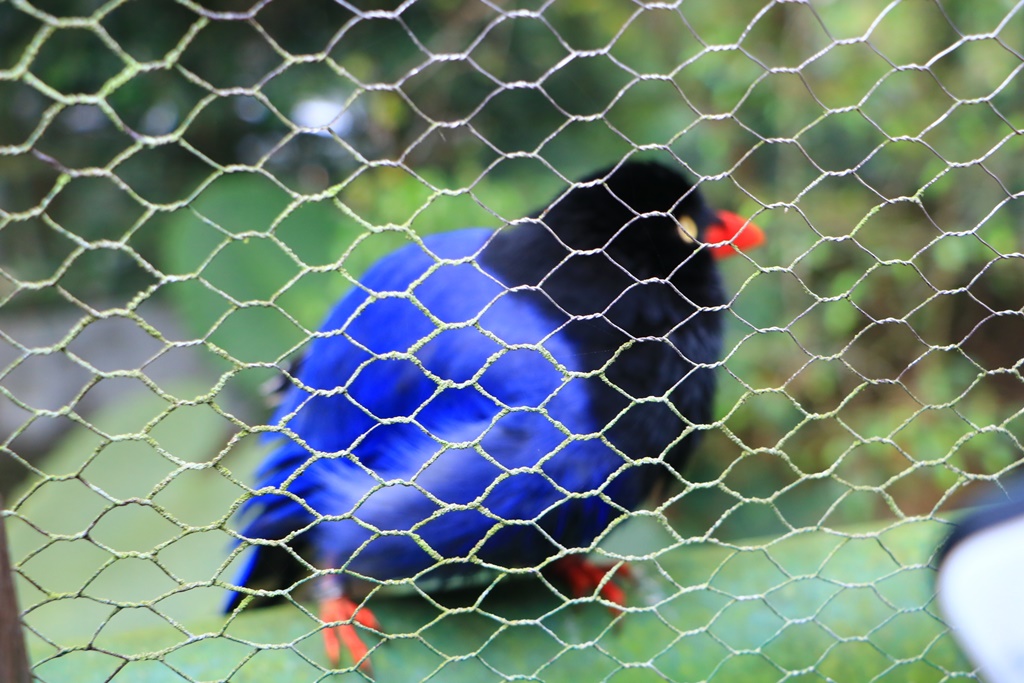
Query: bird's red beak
(731, 235)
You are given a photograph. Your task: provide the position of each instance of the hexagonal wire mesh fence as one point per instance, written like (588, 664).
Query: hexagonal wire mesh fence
(188, 188)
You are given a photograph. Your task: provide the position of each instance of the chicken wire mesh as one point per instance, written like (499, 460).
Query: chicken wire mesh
(187, 188)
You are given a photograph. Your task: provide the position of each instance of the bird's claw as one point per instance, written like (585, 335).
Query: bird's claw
(585, 578)
(340, 615)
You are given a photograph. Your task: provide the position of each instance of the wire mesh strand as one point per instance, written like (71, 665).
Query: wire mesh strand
(186, 188)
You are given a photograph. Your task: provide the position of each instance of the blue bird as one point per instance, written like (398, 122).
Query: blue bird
(496, 399)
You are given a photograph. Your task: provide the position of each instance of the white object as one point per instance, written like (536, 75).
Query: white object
(981, 591)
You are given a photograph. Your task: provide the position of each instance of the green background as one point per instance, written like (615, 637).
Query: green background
(150, 161)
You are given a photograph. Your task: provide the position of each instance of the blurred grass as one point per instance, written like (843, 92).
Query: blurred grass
(126, 588)
(845, 610)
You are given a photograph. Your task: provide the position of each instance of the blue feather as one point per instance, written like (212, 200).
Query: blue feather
(389, 441)
(462, 407)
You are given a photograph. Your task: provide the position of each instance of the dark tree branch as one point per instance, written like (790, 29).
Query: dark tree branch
(13, 660)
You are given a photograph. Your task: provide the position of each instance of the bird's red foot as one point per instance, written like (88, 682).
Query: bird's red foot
(340, 616)
(584, 578)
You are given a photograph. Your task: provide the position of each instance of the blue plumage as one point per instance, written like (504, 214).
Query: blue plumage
(497, 398)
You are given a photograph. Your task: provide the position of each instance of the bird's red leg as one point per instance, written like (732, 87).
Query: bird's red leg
(584, 577)
(340, 614)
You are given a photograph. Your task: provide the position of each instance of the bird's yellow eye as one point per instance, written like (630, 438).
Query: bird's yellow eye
(687, 230)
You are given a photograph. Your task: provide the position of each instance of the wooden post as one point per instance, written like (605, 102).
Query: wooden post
(13, 660)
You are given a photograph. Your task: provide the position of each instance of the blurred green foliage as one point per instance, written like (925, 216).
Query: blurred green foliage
(157, 153)
(121, 592)
(166, 152)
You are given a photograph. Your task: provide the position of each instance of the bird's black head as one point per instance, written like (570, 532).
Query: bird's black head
(646, 216)
(632, 222)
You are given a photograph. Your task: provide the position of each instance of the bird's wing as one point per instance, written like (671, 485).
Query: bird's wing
(359, 370)
(423, 386)
(430, 342)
